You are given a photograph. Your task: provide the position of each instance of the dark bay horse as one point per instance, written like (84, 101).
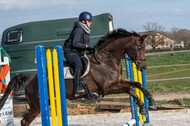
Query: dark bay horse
(105, 73)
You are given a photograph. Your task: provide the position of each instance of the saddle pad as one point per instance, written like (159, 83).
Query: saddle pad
(68, 75)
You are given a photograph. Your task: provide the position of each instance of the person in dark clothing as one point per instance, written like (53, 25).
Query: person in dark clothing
(75, 47)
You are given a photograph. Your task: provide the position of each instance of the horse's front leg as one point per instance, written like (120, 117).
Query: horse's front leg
(139, 103)
(152, 102)
(125, 88)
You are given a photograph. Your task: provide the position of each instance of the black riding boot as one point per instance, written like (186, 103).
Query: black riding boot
(90, 95)
(77, 81)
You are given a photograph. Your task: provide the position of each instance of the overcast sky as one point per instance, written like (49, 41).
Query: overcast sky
(128, 14)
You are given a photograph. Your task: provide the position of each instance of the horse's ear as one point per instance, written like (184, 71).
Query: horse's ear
(143, 37)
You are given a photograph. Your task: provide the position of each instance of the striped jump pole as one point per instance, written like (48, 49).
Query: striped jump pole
(134, 75)
(134, 112)
(54, 65)
(145, 99)
(130, 123)
(140, 75)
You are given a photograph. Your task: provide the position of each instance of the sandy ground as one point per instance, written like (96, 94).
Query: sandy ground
(157, 118)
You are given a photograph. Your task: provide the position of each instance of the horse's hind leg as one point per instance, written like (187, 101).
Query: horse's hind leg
(152, 102)
(29, 117)
(33, 111)
(32, 96)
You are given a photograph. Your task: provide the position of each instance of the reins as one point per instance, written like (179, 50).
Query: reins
(110, 53)
(96, 55)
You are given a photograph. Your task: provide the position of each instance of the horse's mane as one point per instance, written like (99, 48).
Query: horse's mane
(115, 34)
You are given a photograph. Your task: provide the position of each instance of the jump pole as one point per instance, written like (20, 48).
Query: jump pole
(134, 75)
(142, 79)
(59, 86)
(42, 84)
(134, 113)
(145, 99)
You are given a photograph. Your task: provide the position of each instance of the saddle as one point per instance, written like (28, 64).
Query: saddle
(69, 74)
(69, 71)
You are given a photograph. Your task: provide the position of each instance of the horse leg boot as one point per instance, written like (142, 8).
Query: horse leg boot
(139, 103)
(152, 102)
(77, 80)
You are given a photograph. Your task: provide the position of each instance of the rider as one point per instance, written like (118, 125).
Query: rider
(75, 47)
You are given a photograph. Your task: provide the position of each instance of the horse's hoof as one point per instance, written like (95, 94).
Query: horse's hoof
(143, 112)
(152, 104)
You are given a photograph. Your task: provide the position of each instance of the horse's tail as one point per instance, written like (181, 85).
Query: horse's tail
(15, 84)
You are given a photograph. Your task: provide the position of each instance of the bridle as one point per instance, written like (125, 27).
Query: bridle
(135, 52)
(135, 59)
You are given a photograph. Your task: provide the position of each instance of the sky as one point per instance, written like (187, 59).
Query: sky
(128, 14)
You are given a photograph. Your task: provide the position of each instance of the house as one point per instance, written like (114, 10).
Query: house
(179, 44)
(157, 40)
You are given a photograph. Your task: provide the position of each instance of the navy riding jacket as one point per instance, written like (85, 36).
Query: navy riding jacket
(77, 40)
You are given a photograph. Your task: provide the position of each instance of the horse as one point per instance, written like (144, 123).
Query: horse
(104, 77)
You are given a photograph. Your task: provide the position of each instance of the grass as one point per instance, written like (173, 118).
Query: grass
(18, 110)
(184, 101)
(168, 59)
(161, 72)
(168, 86)
(90, 105)
(75, 105)
(161, 102)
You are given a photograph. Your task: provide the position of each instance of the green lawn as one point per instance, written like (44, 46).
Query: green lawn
(168, 59)
(162, 78)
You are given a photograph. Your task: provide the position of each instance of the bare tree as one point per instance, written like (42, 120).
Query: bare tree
(180, 35)
(174, 33)
(155, 32)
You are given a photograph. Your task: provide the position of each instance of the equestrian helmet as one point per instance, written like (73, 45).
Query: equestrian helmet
(85, 16)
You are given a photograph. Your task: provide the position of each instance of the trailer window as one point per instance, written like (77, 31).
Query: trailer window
(14, 36)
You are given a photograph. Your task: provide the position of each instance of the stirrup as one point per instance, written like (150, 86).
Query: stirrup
(79, 92)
